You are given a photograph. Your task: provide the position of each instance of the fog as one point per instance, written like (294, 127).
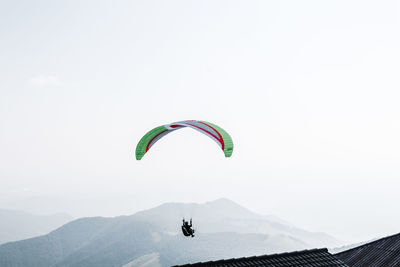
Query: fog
(308, 90)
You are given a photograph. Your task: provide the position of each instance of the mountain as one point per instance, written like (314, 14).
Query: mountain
(18, 225)
(224, 215)
(224, 229)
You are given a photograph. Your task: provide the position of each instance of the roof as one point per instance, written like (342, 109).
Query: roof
(381, 252)
(308, 258)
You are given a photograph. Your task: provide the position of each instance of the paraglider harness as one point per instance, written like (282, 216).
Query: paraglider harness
(187, 228)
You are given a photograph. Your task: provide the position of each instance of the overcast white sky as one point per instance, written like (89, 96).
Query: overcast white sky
(308, 90)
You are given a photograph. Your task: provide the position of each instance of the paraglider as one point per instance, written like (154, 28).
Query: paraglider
(216, 133)
(187, 229)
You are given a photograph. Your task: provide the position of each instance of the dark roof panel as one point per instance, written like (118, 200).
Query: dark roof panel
(383, 252)
(305, 258)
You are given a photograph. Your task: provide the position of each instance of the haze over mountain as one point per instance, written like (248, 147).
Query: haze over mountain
(18, 225)
(224, 229)
(224, 215)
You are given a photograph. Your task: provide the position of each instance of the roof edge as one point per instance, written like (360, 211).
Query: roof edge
(368, 244)
(270, 256)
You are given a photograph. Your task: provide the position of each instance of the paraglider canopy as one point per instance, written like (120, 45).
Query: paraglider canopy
(216, 133)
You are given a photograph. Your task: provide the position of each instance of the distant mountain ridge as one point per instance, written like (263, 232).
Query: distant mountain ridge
(224, 215)
(17, 225)
(224, 230)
